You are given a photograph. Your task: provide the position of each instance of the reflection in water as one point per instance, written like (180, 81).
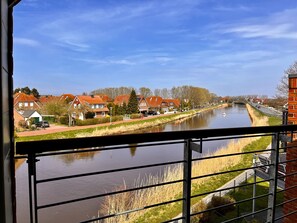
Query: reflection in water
(133, 148)
(71, 157)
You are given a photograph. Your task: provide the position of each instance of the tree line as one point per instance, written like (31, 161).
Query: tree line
(191, 95)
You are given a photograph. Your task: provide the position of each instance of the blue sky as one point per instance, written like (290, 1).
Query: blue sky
(231, 47)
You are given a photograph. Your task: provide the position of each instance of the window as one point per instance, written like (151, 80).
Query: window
(26, 104)
(31, 104)
(20, 104)
(74, 105)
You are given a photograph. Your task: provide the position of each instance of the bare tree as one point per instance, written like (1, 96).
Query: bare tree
(145, 92)
(283, 87)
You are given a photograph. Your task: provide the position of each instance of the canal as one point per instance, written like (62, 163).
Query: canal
(63, 165)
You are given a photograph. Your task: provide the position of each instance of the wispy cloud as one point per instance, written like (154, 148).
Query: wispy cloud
(239, 8)
(26, 42)
(276, 26)
(70, 44)
(107, 61)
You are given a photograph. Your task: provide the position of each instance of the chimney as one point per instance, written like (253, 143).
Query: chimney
(291, 167)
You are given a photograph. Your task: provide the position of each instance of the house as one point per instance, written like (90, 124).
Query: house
(88, 103)
(104, 97)
(46, 98)
(67, 97)
(142, 104)
(23, 101)
(170, 104)
(154, 103)
(121, 100)
(26, 115)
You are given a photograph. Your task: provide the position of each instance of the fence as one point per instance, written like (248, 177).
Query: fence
(191, 141)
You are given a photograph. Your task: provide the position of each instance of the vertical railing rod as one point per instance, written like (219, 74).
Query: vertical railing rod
(32, 187)
(187, 181)
(273, 175)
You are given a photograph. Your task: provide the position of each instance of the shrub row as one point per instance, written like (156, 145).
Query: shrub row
(95, 121)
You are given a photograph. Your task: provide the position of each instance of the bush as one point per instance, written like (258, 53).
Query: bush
(135, 116)
(218, 201)
(117, 118)
(64, 120)
(93, 121)
(23, 124)
(50, 119)
(201, 218)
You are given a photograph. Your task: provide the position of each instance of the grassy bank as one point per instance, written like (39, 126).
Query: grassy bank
(120, 203)
(119, 128)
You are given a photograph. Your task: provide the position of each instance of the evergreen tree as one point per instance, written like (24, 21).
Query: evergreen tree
(35, 93)
(133, 103)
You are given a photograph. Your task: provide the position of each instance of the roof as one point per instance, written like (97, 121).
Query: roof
(26, 113)
(104, 97)
(67, 97)
(87, 99)
(176, 102)
(154, 101)
(121, 99)
(22, 97)
(46, 98)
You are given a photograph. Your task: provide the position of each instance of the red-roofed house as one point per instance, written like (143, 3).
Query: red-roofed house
(142, 104)
(121, 99)
(83, 103)
(67, 97)
(170, 104)
(23, 101)
(154, 103)
(104, 97)
(46, 98)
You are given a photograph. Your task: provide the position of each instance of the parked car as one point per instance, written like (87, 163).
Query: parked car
(42, 124)
(152, 113)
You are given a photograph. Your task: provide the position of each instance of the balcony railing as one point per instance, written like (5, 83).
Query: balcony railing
(191, 142)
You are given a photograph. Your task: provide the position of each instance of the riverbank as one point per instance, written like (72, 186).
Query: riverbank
(120, 127)
(119, 203)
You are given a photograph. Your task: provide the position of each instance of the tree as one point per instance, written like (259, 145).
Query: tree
(145, 92)
(283, 87)
(26, 90)
(133, 103)
(54, 107)
(35, 93)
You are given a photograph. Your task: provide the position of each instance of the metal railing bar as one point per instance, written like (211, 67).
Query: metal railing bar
(108, 194)
(235, 203)
(287, 188)
(228, 188)
(235, 137)
(228, 171)
(230, 154)
(42, 146)
(285, 202)
(107, 148)
(287, 161)
(16, 157)
(286, 215)
(287, 175)
(107, 171)
(246, 215)
(131, 211)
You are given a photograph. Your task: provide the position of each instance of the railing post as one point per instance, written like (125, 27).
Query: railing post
(273, 169)
(187, 181)
(32, 187)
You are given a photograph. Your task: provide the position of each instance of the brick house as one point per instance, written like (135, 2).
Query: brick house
(23, 101)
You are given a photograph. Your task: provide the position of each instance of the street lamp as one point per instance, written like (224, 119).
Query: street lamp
(110, 118)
